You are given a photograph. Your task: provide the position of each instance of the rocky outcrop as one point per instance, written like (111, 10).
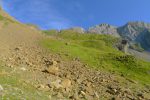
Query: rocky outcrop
(123, 46)
(144, 39)
(104, 29)
(133, 29)
(137, 32)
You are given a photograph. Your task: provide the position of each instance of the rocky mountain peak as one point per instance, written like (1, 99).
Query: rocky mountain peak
(136, 32)
(106, 25)
(138, 23)
(104, 29)
(132, 29)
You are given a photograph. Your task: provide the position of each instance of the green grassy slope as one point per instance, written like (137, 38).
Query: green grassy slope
(97, 51)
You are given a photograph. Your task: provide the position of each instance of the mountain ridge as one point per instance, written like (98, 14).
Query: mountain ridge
(131, 31)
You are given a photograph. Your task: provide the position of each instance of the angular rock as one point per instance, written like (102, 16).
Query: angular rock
(113, 90)
(66, 83)
(54, 63)
(56, 84)
(23, 69)
(53, 70)
(89, 90)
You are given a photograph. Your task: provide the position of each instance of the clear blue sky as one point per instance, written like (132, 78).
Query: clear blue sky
(60, 14)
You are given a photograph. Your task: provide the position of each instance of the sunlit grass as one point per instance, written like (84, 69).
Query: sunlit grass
(97, 51)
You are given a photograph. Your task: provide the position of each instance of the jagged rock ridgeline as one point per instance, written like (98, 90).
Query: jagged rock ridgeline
(137, 32)
(132, 29)
(104, 29)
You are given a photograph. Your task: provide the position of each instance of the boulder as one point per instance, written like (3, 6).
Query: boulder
(56, 84)
(66, 83)
(52, 70)
(52, 67)
(123, 46)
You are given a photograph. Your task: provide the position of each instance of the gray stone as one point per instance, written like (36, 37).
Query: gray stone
(104, 29)
(66, 83)
(136, 32)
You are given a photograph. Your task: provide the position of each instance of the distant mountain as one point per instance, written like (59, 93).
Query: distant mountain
(135, 32)
(104, 29)
(132, 29)
(144, 39)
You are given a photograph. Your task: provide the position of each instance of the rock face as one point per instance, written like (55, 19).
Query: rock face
(104, 29)
(144, 39)
(123, 46)
(136, 32)
(132, 29)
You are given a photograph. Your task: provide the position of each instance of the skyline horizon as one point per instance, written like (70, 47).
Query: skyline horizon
(54, 14)
(79, 26)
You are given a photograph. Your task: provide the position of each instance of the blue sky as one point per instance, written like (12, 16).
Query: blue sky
(60, 14)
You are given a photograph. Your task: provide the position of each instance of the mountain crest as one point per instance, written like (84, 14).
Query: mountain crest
(104, 29)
